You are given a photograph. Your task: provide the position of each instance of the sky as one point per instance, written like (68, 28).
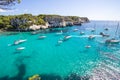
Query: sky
(93, 9)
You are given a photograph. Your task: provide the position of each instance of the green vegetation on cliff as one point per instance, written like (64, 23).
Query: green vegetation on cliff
(24, 21)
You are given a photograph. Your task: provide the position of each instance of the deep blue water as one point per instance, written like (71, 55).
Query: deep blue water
(46, 56)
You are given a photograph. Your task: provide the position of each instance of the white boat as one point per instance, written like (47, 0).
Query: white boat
(60, 41)
(75, 30)
(20, 41)
(81, 33)
(112, 41)
(93, 30)
(42, 37)
(67, 37)
(88, 46)
(91, 37)
(20, 48)
(104, 35)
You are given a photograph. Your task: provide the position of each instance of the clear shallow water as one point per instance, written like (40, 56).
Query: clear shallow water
(46, 57)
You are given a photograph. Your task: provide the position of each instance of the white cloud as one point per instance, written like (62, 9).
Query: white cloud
(2, 10)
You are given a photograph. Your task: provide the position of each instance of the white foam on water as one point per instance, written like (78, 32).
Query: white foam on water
(85, 36)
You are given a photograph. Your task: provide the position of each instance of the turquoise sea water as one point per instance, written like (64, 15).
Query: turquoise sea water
(45, 56)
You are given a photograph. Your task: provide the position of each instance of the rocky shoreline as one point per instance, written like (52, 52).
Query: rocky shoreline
(28, 22)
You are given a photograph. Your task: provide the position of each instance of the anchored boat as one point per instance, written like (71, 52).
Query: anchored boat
(67, 37)
(20, 41)
(20, 48)
(91, 37)
(112, 41)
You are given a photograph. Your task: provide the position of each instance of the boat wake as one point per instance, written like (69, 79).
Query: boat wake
(85, 36)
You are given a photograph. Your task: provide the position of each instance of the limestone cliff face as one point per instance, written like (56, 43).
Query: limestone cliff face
(63, 21)
(26, 22)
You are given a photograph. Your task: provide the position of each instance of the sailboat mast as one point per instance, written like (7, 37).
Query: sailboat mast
(116, 30)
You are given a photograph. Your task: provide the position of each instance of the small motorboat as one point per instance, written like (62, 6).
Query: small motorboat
(93, 30)
(104, 35)
(91, 37)
(88, 46)
(112, 41)
(42, 37)
(67, 37)
(60, 41)
(20, 48)
(75, 30)
(20, 41)
(81, 33)
(106, 29)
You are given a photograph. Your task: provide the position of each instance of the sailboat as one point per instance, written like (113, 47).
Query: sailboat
(16, 42)
(91, 37)
(113, 40)
(104, 35)
(93, 30)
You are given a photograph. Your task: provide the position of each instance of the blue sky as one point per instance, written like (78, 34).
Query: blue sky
(93, 9)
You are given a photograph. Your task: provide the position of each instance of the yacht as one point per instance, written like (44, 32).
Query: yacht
(104, 35)
(20, 48)
(91, 37)
(67, 37)
(112, 41)
(20, 41)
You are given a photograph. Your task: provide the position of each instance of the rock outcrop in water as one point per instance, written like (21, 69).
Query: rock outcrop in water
(28, 22)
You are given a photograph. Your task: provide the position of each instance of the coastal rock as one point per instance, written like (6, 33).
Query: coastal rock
(37, 27)
(28, 22)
